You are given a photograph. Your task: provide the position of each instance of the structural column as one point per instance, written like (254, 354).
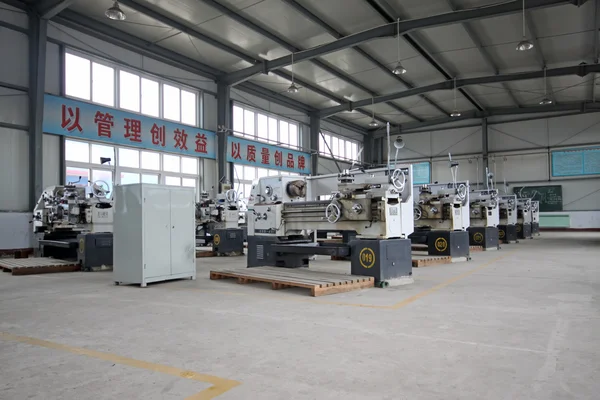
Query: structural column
(223, 121)
(484, 149)
(369, 149)
(38, 28)
(315, 132)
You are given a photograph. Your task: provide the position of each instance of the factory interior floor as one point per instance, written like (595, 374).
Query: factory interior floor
(519, 323)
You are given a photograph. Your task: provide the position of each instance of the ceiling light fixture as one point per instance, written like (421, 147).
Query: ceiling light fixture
(524, 44)
(115, 13)
(373, 123)
(455, 113)
(399, 69)
(293, 88)
(546, 101)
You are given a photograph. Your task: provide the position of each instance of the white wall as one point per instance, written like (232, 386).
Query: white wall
(328, 166)
(519, 154)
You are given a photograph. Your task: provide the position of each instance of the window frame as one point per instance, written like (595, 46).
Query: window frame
(255, 136)
(326, 138)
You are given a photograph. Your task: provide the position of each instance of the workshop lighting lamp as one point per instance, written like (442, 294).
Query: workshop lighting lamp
(546, 101)
(115, 13)
(398, 69)
(455, 113)
(373, 123)
(524, 44)
(293, 88)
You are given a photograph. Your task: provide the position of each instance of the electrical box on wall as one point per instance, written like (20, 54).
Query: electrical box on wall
(154, 233)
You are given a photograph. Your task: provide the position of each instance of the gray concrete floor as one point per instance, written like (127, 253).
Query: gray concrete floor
(520, 323)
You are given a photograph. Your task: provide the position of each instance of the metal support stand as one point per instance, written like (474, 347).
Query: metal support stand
(448, 243)
(524, 231)
(383, 259)
(486, 237)
(228, 242)
(507, 233)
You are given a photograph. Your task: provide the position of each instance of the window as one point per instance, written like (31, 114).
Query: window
(103, 84)
(91, 79)
(128, 166)
(129, 91)
(340, 147)
(171, 103)
(150, 98)
(265, 128)
(188, 107)
(77, 76)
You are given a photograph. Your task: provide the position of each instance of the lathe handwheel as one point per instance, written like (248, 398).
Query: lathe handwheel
(333, 213)
(461, 192)
(397, 182)
(417, 213)
(231, 196)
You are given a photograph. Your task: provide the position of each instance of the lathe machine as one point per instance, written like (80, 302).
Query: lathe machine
(75, 223)
(524, 219)
(535, 218)
(484, 219)
(441, 216)
(507, 228)
(284, 215)
(218, 222)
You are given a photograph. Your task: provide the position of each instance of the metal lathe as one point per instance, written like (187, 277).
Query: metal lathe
(284, 215)
(441, 216)
(507, 228)
(484, 219)
(524, 219)
(535, 218)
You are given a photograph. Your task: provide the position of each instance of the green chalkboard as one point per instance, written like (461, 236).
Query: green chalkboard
(550, 197)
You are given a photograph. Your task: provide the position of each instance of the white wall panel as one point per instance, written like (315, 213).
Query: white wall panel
(328, 166)
(573, 130)
(209, 179)
(459, 141)
(51, 149)
(14, 170)
(520, 167)
(14, 106)
(518, 135)
(266, 105)
(440, 170)
(53, 72)
(14, 47)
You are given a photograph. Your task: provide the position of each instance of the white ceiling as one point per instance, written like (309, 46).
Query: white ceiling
(565, 37)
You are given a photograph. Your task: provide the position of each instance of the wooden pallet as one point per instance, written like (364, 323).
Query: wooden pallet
(205, 253)
(38, 265)
(475, 248)
(426, 260)
(319, 283)
(16, 253)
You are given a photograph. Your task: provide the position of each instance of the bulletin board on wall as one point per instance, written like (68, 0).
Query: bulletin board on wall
(550, 197)
(576, 162)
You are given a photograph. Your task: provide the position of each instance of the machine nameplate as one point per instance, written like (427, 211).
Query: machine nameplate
(367, 257)
(478, 237)
(441, 244)
(393, 211)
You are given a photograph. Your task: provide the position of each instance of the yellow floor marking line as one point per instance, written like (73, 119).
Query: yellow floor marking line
(220, 385)
(445, 283)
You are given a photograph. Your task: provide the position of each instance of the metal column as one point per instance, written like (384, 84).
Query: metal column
(315, 132)
(369, 149)
(38, 28)
(484, 149)
(223, 120)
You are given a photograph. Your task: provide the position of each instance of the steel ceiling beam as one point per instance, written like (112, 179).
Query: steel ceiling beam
(483, 51)
(390, 15)
(581, 107)
(132, 43)
(579, 70)
(596, 45)
(390, 30)
(538, 51)
(49, 8)
(294, 49)
(333, 32)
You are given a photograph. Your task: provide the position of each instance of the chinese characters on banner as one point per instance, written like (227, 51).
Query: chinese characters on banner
(91, 122)
(242, 151)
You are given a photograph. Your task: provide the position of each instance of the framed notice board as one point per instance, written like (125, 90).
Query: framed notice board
(550, 197)
(576, 162)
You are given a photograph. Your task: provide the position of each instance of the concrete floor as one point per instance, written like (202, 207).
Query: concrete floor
(521, 323)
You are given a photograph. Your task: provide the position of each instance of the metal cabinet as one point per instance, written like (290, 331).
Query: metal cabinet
(154, 233)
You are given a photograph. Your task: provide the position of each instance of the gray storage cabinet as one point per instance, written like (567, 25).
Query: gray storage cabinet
(154, 233)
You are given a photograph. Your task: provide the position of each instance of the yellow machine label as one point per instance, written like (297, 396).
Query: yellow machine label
(478, 237)
(367, 257)
(500, 233)
(519, 228)
(217, 239)
(81, 245)
(441, 244)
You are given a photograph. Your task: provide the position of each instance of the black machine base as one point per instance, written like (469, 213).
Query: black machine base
(507, 233)
(535, 228)
(383, 259)
(95, 251)
(228, 242)
(524, 231)
(486, 237)
(448, 243)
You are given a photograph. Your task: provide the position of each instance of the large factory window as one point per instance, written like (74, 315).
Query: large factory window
(264, 127)
(88, 161)
(92, 79)
(341, 148)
